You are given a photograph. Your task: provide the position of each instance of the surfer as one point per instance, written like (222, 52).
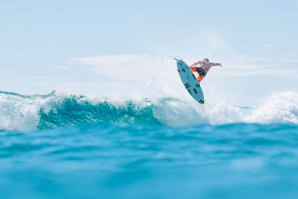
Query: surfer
(202, 67)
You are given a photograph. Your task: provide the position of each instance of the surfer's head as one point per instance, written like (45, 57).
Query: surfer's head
(206, 59)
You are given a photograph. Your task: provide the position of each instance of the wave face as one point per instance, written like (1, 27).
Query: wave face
(73, 110)
(41, 112)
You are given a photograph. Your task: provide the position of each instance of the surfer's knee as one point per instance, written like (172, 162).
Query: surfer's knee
(200, 78)
(193, 69)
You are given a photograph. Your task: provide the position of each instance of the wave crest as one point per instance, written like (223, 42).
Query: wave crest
(278, 108)
(39, 112)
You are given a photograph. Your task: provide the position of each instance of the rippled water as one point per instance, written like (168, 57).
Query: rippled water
(112, 161)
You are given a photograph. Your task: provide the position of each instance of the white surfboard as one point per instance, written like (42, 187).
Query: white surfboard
(190, 82)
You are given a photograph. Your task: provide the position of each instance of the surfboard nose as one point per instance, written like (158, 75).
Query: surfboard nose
(180, 62)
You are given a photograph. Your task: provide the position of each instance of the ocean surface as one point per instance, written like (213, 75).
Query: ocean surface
(71, 146)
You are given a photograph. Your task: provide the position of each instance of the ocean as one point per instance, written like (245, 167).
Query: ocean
(72, 146)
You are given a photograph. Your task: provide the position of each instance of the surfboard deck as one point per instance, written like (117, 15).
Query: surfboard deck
(190, 82)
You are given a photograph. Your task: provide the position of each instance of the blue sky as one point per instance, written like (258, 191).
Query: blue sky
(64, 44)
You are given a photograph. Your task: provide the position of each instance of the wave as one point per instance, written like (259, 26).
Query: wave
(54, 110)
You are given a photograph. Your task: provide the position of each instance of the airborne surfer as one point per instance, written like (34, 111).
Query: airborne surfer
(202, 67)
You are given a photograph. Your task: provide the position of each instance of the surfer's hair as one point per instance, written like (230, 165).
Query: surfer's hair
(206, 59)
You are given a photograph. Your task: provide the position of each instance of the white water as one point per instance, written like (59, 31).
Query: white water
(21, 113)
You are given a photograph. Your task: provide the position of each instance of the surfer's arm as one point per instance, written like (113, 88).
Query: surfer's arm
(196, 63)
(215, 64)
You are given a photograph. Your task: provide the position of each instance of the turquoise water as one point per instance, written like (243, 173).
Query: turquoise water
(58, 146)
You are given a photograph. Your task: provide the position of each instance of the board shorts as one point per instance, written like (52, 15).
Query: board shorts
(201, 71)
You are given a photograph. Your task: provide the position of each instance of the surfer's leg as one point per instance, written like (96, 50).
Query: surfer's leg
(193, 69)
(200, 78)
(202, 74)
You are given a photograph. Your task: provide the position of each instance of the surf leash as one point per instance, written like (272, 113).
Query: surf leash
(161, 60)
(170, 57)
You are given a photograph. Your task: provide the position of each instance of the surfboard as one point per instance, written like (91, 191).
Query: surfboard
(190, 82)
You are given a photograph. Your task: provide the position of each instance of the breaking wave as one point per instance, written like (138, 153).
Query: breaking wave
(54, 110)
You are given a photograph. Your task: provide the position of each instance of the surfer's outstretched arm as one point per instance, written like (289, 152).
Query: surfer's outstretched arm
(196, 63)
(215, 64)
